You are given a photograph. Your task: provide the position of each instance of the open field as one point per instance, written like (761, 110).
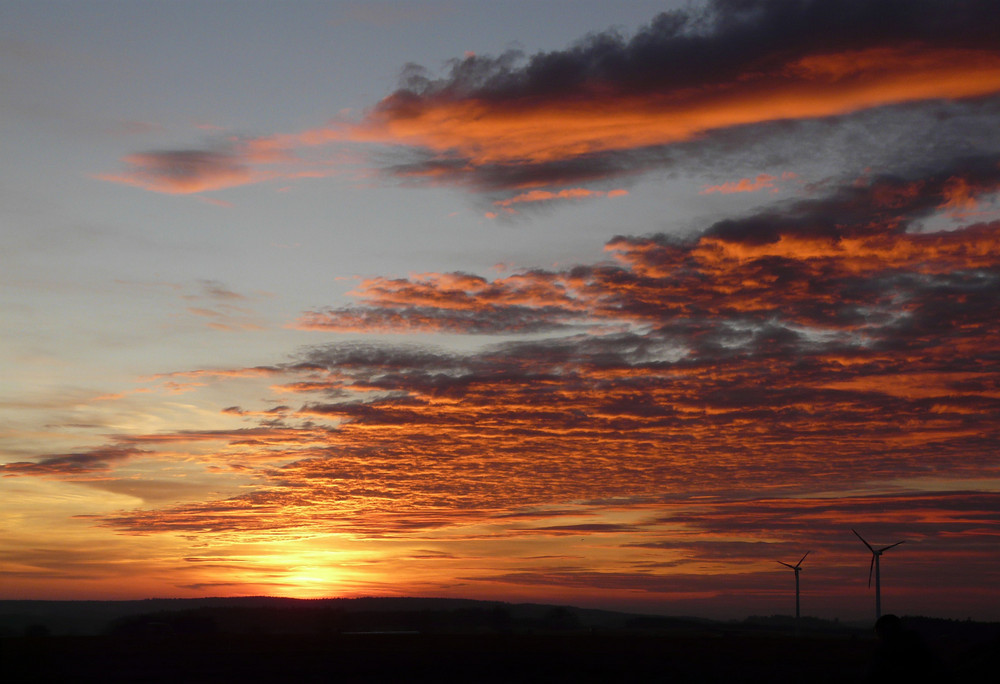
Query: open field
(429, 640)
(433, 658)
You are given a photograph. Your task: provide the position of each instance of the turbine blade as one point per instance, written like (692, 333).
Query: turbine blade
(787, 565)
(863, 540)
(891, 545)
(802, 559)
(871, 569)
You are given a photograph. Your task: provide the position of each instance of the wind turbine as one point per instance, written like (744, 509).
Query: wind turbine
(797, 568)
(876, 554)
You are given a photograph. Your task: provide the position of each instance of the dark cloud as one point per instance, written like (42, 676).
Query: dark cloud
(186, 171)
(210, 586)
(489, 320)
(883, 205)
(589, 528)
(864, 80)
(933, 518)
(422, 167)
(682, 49)
(69, 465)
(706, 64)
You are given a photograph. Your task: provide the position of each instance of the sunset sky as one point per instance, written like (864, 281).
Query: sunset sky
(604, 304)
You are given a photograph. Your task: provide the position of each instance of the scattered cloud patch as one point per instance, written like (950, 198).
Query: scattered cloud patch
(761, 182)
(567, 194)
(811, 352)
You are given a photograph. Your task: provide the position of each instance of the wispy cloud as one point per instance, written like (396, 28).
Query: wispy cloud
(84, 463)
(186, 171)
(763, 181)
(222, 308)
(226, 163)
(534, 197)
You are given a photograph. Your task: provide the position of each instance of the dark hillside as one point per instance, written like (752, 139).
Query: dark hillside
(433, 640)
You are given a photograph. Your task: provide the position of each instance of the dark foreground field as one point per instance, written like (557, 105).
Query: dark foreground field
(261, 639)
(434, 658)
(575, 657)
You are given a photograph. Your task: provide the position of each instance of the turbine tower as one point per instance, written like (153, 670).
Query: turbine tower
(797, 568)
(876, 554)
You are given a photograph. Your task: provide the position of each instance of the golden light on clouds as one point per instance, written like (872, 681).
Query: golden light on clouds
(790, 331)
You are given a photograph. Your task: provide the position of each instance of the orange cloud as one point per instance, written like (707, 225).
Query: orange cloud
(959, 197)
(233, 163)
(186, 171)
(257, 371)
(536, 131)
(761, 182)
(718, 274)
(595, 110)
(546, 196)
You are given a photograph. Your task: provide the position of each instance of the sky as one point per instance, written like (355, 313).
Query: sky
(604, 304)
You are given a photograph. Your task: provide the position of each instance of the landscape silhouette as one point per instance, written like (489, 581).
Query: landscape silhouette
(451, 341)
(261, 639)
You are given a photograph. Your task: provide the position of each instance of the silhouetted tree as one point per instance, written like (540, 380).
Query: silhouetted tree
(901, 655)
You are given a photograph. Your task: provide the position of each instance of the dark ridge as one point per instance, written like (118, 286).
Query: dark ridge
(262, 639)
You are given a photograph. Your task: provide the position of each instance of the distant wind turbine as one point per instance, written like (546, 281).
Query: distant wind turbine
(876, 554)
(797, 568)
